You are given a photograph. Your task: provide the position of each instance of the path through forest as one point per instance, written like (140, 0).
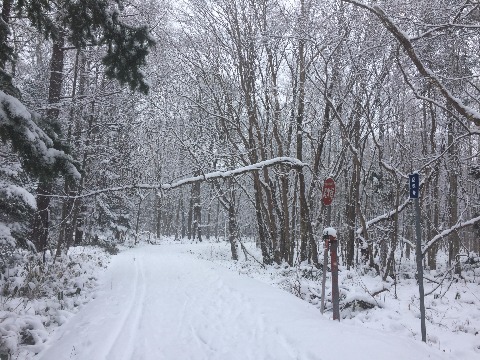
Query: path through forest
(162, 302)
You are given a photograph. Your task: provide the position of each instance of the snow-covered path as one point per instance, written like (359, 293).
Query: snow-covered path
(161, 302)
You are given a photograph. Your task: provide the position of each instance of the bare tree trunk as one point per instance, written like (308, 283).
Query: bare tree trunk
(353, 201)
(137, 221)
(158, 212)
(306, 235)
(286, 242)
(182, 212)
(390, 265)
(454, 244)
(190, 228)
(70, 205)
(6, 9)
(197, 212)
(232, 228)
(217, 220)
(41, 220)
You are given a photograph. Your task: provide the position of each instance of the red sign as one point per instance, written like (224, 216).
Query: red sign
(328, 192)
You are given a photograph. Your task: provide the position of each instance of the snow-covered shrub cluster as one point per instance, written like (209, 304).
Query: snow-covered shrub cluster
(36, 296)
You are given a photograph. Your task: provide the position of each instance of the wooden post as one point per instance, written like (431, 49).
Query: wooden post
(328, 193)
(334, 263)
(324, 275)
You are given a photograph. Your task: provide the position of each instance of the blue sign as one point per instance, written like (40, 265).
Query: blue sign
(414, 184)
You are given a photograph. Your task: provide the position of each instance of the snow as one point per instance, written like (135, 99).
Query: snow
(14, 115)
(6, 237)
(163, 302)
(12, 191)
(445, 232)
(14, 106)
(204, 177)
(329, 231)
(237, 171)
(31, 305)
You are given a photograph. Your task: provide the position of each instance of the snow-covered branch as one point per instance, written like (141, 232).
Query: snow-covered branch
(406, 42)
(293, 162)
(446, 232)
(30, 142)
(382, 217)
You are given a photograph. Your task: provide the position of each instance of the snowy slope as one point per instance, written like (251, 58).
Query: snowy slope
(162, 302)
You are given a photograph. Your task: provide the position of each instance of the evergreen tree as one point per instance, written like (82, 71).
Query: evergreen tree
(37, 140)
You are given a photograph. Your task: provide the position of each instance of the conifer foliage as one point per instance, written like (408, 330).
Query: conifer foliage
(92, 22)
(37, 139)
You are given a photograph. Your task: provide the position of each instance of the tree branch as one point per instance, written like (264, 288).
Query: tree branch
(446, 232)
(293, 162)
(406, 42)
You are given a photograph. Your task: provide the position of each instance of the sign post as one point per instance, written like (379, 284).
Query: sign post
(328, 193)
(324, 275)
(414, 185)
(335, 292)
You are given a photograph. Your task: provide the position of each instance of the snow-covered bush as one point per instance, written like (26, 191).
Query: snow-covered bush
(36, 296)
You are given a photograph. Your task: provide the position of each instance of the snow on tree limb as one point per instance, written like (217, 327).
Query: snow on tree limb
(229, 173)
(34, 146)
(384, 216)
(446, 232)
(406, 42)
(293, 162)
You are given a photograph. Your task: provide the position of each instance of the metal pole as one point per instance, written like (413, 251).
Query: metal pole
(325, 260)
(335, 292)
(324, 275)
(419, 258)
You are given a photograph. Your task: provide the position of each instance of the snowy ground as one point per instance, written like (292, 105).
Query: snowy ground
(165, 302)
(452, 310)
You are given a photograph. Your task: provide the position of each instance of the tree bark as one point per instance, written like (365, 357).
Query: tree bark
(45, 186)
(454, 244)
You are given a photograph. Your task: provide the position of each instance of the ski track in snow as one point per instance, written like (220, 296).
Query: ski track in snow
(162, 303)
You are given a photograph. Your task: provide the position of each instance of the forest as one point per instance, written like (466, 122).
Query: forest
(221, 119)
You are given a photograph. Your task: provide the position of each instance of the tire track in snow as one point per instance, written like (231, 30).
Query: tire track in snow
(123, 344)
(194, 310)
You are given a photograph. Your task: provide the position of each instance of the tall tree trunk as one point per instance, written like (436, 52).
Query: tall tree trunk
(41, 220)
(390, 265)
(5, 80)
(182, 214)
(137, 223)
(435, 209)
(232, 227)
(454, 244)
(70, 205)
(352, 210)
(353, 201)
(197, 212)
(158, 222)
(286, 250)
(190, 227)
(308, 246)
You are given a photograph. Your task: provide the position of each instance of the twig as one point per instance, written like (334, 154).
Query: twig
(253, 257)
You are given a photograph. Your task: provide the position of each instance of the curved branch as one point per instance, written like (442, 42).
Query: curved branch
(293, 162)
(406, 42)
(446, 232)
